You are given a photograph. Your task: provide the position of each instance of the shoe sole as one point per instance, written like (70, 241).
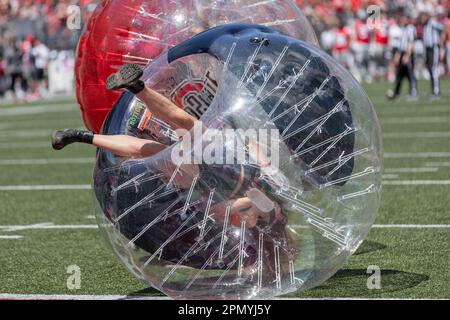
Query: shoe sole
(55, 143)
(126, 75)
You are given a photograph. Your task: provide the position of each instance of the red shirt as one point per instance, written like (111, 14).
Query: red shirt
(362, 32)
(342, 39)
(382, 33)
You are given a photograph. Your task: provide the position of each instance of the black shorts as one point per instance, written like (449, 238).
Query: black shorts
(39, 74)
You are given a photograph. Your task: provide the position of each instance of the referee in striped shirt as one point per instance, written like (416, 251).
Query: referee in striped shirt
(404, 60)
(433, 39)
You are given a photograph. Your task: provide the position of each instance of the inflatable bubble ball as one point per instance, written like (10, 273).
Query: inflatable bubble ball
(243, 226)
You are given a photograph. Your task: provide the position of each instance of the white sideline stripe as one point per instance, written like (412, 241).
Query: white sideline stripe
(437, 164)
(411, 170)
(51, 226)
(25, 145)
(45, 187)
(26, 162)
(75, 297)
(25, 133)
(416, 135)
(416, 155)
(6, 296)
(390, 176)
(31, 110)
(411, 226)
(417, 183)
(48, 226)
(396, 226)
(416, 120)
(404, 110)
(88, 187)
(10, 237)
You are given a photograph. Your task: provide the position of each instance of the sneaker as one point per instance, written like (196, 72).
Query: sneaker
(62, 138)
(128, 77)
(412, 98)
(391, 95)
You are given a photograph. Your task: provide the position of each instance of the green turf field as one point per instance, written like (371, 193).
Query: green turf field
(411, 242)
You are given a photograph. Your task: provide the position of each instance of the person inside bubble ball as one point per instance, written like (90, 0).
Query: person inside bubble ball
(241, 184)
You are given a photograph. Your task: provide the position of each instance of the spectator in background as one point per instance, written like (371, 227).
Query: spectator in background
(447, 43)
(404, 60)
(379, 48)
(40, 54)
(13, 59)
(361, 39)
(433, 39)
(23, 59)
(341, 48)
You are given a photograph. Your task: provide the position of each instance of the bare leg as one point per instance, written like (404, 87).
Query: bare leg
(128, 77)
(163, 109)
(127, 146)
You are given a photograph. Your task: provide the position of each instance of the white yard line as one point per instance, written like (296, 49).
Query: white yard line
(10, 237)
(408, 170)
(25, 133)
(411, 226)
(417, 183)
(26, 162)
(47, 226)
(416, 155)
(51, 226)
(149, 298)
(32, 110)
(387, 113)
(45, 187)
(25, 145)
(415, 120)
(390, 176)
(416, 135)
(437, 164)
(75, 297)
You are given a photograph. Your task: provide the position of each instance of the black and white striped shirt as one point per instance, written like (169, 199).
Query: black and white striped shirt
(432, 33)
(409, 34)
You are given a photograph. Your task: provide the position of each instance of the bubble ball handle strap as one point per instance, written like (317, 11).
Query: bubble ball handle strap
(205, 41)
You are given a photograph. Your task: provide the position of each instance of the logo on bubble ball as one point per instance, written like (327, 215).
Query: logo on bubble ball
(196, 95)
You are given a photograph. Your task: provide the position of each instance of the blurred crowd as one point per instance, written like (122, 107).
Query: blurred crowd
(366, 35)
(363, 35)
(32, 32)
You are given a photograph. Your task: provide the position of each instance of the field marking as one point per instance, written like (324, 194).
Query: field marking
(33, 110)
(411, 170)
(11, 237)
(390, 176)
(416, 120)
(415, 135)
(63, 187)
(45, 187)
(411, 226)
(417, 183)
(25, 145)
(75, 297)
(6, 296)
(26, 162)
(52, 226)
(404, 110)
(437, 164)
(47, 226)
(416, 155)
(25, 134)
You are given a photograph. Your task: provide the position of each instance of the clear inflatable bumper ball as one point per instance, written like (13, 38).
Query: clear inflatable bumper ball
(243, 226)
